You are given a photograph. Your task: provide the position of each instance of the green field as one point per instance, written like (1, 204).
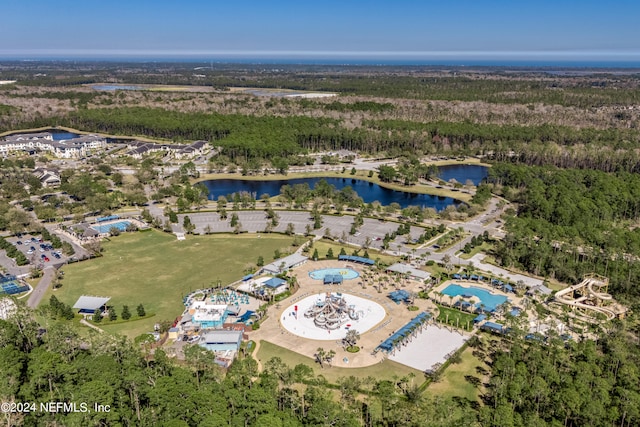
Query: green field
(387, 370)
(455, 317)
(455, 379)
(156, 270)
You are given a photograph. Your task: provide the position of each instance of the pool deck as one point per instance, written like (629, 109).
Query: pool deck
(395, 316)
(511, 298)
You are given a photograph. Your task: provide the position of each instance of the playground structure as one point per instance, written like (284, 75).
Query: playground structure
(332, 312)
(590, 297)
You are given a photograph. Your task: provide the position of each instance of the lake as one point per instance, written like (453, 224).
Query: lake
(369, 191)
(462, 173)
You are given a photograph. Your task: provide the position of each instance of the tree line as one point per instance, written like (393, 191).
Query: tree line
(570, 222)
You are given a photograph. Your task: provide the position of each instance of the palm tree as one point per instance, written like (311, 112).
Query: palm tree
(320, 356)
(329, 356)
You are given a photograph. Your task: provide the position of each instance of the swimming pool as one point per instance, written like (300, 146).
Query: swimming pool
(120, 225)
(489, 300)
(346, 273)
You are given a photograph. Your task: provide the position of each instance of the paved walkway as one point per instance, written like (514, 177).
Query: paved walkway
(497, 271)
(85, 323)
(49, 274)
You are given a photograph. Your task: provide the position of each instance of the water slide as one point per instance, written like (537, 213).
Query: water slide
(589, 283)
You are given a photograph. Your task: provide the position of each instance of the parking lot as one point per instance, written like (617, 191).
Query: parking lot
(39, 252)
(338, 226)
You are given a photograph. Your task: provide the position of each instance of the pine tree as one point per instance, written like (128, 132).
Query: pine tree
(126, 314)
(141, 311)
(97, 315)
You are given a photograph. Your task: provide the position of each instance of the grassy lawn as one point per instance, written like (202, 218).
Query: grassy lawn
(324, 245)
(380, 371)
(156, 270)
(484, 247)
(456, 317)
(453, 382)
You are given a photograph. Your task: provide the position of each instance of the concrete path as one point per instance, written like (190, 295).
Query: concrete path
(49, 274)
(497, 271)
(85, 323)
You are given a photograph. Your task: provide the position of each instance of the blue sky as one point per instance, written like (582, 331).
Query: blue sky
(395, 29)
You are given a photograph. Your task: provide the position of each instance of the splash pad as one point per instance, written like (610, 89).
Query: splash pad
(329, 316)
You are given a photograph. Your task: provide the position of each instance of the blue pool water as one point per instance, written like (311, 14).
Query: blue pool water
(120, 225)
(490, 301)
(346, 273)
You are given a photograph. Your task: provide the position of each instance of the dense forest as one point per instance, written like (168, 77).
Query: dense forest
(582, 383)
(57, 364)
(531, 384)
(245, 138)
(570, 222)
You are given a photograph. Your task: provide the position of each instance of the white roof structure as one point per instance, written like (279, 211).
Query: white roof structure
(411, 271)
(282, 264)
(90, 303)
(540, 289)
(221, 337)
(205, 311)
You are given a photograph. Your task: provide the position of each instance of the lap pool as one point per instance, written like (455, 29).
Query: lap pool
(489, 300)
(346, 273)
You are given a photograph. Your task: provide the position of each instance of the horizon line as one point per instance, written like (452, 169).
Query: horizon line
(628, 54)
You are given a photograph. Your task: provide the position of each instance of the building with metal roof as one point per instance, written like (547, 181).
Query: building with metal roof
(88, 304)
(221, 340)
(283, 264)
(410, 271)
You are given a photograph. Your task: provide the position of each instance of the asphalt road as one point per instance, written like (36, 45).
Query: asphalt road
(49, 274)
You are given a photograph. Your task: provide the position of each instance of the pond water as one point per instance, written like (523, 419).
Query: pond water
(116, 87)
(462, 173)
(369, 191)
